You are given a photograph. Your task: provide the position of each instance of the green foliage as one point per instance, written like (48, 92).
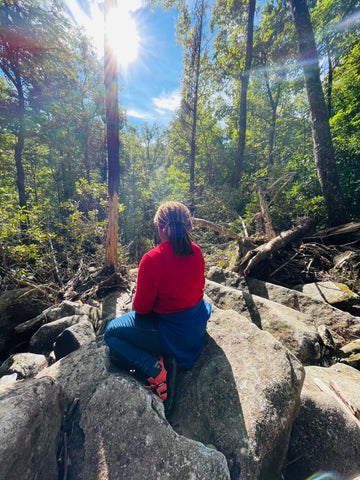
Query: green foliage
(64, 155)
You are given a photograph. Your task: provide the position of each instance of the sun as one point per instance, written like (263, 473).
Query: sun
(122, 35)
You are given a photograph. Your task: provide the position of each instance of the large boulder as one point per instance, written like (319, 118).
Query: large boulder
(16, 307)
(293, 329)
(31, 415)
(73, 338)
(325, 436)
(43, 339)
(127, 436)
(336, 294)
(343, 326)
(65, 309)
(25, 365)
(117, 429)
(242, 396)
(115, 304)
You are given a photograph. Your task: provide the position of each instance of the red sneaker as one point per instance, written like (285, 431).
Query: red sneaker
(158, 384)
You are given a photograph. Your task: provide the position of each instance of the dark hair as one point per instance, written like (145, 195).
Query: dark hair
(174, 219)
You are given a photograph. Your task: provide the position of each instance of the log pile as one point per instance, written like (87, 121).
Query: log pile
(299, 256)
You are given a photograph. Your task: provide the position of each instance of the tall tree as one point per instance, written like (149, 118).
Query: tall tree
(244, 78)
(191, 37)
(233, 21)
(323, 146)
(113, 143)
(30, 33)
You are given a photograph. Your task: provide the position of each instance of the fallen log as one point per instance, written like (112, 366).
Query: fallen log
(347, 234)
(245, 243)
(261, 253)
(200, 222)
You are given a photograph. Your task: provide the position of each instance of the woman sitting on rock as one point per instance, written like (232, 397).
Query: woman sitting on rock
(170, 315)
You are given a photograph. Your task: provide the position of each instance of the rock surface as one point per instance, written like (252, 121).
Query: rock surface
(43, 339)
(31, 415)
(24, 365)
(241, 396)
(73, 338)
(325, 436)
(233, 411)
(293, 329)
(118, 428)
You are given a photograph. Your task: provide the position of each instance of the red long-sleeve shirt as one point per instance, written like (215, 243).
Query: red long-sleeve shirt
(168, 284)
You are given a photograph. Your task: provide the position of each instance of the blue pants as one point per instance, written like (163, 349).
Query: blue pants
(135, 339)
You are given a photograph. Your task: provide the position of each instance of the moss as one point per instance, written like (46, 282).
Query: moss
(345, 289)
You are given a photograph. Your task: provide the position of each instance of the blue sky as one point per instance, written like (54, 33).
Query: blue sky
(150, 84)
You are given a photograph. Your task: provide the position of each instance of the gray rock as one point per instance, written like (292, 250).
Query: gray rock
(25, 365)
(227, 278)
(31, 414)
(73, 338)
(127, 436)
(329, 292)
(343, 326)
(114, 305)
(325, 435)
(242, 396)
(352, 347)
(118, 428)
(42, 341)
(17, 306)
(65, 309)
(5, 379)
(293, 329)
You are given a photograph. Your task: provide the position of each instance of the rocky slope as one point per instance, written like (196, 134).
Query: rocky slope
(274, 394)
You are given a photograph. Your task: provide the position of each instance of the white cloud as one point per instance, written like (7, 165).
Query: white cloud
(167, 102)
(139, 114)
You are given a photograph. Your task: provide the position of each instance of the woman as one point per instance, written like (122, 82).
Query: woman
(170, 314)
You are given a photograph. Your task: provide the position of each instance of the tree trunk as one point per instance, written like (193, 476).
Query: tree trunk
(197, 49)
(274, 102)
(19, 146)
(323, 146)
(329, 83)
(113, 145)
(269, 229)
(245, 77)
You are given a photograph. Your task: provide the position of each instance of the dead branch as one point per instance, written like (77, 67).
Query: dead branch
(199, 222)
(56, 268)
(345, 404)
(264, 251)
(283, 265)
(341, 235)
(69, 289)
(269, 229)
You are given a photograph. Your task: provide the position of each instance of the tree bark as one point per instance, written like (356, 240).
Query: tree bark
(245, 77)
(200, 222)
(113, 145)
(323, 146)
(197, 55)
(274, 102)
(269, 229)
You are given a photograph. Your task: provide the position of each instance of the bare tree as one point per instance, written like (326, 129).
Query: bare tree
(245, 78)
(113, 144)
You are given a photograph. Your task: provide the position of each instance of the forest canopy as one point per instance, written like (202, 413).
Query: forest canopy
(266, 114)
